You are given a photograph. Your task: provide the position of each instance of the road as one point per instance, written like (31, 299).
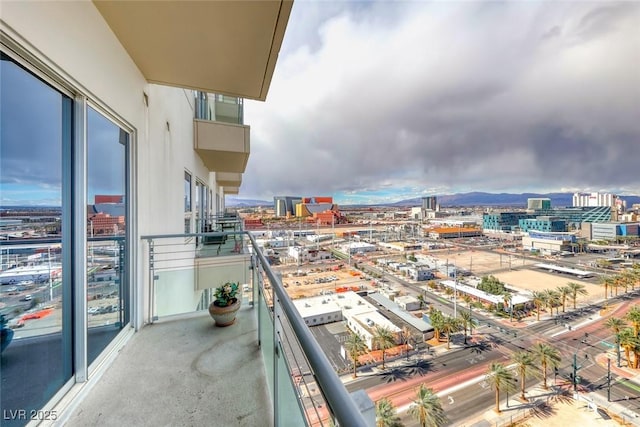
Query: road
(454, 368)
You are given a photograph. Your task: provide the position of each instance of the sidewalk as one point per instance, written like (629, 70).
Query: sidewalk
(623, 372)
(555, 406)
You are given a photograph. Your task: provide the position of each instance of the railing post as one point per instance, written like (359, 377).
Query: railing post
(152, 282)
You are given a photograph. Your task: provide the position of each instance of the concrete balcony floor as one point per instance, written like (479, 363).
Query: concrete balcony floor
(183, 372)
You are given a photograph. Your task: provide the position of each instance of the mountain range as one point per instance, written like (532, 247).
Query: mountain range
(461, 199)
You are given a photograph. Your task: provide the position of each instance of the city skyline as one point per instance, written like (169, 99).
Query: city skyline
(376, 101)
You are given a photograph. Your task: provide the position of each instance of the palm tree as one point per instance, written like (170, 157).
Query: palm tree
(467, 321)
(630, 343)
(524, 361)
(622, 282)
(576, 289)
(538, 299)
(631, 276)
(507, 298)
(616, 324)
(427, 408)
(546, 355)
(386, 414)
(500, 378)
(552, 299)
(467, 299)
(421, 300)
(564, 292)
(406, 336)
(383, 339)
(450, 325)
(614, 283)
(605, 281)
(633, 316)
(436, 319)
(355, 346)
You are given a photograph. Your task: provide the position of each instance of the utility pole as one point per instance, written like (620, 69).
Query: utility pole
(455, 293)
(575, 372)
(608, 380)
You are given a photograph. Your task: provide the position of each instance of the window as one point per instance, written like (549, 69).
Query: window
(201, 206)
(187, 202)
(187, 192)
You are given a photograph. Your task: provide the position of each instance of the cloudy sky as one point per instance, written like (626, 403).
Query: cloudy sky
(382, 101)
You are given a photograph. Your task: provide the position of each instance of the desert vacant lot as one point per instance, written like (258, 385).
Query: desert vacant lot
(533, 280)
(523, 276)
(482, 263)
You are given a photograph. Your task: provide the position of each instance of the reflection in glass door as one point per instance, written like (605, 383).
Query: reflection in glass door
(35, 283)
(107, 283)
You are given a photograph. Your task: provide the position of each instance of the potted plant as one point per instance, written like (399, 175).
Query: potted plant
(223, 309)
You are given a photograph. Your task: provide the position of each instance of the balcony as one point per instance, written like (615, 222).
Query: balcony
(266, 369)
(223, 147)
(226, 179)
(231, 190)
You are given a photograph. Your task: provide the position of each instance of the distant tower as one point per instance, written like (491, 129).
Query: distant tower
(538, 204)
(594, 199)
(429, 203)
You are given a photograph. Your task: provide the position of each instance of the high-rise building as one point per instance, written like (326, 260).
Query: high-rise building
(538, 203)
(285, 206)
(594, 199)
(430, 203)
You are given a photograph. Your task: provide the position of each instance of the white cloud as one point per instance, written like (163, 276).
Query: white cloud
(452, 96)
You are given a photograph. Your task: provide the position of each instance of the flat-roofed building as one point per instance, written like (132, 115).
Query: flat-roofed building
(454, 232)
(361, 316)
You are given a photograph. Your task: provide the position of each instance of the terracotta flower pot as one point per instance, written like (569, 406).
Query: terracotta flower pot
(224, 316)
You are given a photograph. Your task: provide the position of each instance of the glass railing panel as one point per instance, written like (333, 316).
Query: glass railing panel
(220, 108)
(183, 276)
(319, 393)
(300, 399)
(288, 410)
(267, 344)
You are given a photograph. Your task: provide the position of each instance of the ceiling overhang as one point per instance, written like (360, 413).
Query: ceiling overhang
(226, 47)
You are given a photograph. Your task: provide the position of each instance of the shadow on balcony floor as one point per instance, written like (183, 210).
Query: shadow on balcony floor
(183, 372)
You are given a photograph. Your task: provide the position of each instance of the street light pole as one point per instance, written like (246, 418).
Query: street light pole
(575, 364)
(455, 294)
(608, 380)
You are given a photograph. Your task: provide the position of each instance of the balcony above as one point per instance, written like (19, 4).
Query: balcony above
(231, 190)
(223, 147)
(227, 47)
(228, 179)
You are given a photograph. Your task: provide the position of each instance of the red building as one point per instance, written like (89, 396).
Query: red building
(102, 198)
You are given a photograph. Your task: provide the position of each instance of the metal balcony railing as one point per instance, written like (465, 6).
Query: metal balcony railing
(304, 388)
